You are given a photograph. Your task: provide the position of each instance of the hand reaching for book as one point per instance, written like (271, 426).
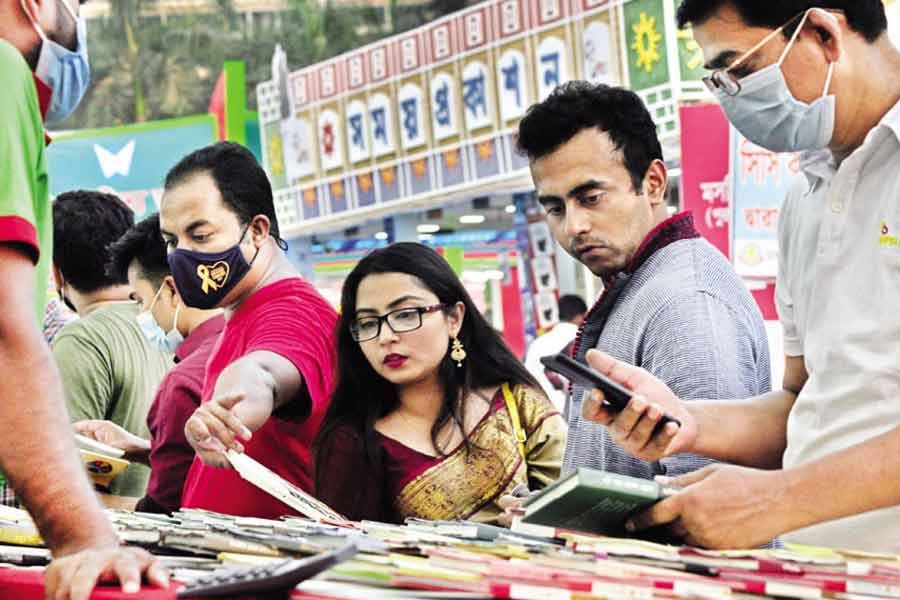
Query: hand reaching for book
(633, 428)
(215, 428)
(512, 504)
(107, 432)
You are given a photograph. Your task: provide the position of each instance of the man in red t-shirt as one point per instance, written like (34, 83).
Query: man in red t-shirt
(268, 381)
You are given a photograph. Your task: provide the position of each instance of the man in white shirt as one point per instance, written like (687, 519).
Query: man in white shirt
(824, 451)
(571, 315)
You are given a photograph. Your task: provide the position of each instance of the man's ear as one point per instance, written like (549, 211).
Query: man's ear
(174, 297)
(260, 227)
(57, 277)
(827, 26)
(656, 180)
(32, 9)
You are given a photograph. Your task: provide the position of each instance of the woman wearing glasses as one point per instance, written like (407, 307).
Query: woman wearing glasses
(432, 415)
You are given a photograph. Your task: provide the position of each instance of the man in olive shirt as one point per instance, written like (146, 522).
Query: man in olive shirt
(108, 368)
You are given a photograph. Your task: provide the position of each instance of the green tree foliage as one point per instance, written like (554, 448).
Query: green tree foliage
(146, 66)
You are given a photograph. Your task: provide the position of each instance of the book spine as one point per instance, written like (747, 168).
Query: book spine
(631, 486)
(543, 531)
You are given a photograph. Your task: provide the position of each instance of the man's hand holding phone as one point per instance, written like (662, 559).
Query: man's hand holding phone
(633, 428)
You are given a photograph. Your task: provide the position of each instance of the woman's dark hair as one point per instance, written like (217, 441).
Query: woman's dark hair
(362, 396)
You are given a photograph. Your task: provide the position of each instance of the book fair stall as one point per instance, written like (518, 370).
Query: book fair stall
(373, 145)
(413, 138)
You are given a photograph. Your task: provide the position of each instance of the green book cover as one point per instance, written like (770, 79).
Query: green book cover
(591, 501)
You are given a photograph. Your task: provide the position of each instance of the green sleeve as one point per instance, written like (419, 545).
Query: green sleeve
(21, 152)
(86, 375)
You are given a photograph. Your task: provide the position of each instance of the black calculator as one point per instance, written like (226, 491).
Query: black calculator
(267, 579)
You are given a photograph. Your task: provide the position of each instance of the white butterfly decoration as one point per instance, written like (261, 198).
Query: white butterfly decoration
(115, 164)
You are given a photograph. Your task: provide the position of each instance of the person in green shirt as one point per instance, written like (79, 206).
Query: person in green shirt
(42, 72)
(109, 370)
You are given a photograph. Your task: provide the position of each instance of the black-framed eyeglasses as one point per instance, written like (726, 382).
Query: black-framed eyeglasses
(401, 320)
(725, 81)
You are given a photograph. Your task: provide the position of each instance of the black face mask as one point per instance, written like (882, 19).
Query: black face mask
(204, 279)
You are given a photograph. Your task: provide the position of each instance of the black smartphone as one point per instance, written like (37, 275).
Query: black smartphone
(617, 397)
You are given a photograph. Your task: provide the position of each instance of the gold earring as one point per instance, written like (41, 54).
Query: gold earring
(458, 353)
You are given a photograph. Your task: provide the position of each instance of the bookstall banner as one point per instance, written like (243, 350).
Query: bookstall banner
(663, 64)
(760, 179)
(130, 161)
(704, 172)
(436, 108)
(645, 31)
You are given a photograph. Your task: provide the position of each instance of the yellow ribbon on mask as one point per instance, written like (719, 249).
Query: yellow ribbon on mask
(206, 280)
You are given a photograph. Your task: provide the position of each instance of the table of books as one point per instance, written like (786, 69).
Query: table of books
(464, 560)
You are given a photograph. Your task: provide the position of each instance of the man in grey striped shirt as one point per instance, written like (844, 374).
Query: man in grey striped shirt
(672, 303)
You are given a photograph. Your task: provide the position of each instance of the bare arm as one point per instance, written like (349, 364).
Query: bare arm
(33, 414)
(751, 432)
(868, 480)
(725, 506)
(264, 378)
(247, 392)
(33, 417)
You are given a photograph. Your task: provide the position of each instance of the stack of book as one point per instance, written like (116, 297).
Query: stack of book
(558, 550)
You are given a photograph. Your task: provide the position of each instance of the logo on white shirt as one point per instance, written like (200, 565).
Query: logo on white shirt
(885, 238)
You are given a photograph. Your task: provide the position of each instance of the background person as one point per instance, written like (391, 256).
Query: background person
(572, 310)
(108, 368)
(189, 333)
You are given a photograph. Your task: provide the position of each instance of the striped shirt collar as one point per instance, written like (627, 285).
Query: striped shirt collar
(675, 228)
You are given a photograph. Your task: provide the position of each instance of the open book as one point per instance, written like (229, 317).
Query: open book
(103, 462)
(91, 445)
(275, 485)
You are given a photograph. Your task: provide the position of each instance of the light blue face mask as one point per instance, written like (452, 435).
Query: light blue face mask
(65, 72)
(156, 335)
(766, 113)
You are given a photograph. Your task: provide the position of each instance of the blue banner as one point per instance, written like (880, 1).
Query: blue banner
(130, 161)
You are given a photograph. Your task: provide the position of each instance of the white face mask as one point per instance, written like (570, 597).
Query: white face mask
(764, 110)
(156, 335)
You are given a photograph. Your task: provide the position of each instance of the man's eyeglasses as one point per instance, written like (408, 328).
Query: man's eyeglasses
(401, 320)
(725, 81)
